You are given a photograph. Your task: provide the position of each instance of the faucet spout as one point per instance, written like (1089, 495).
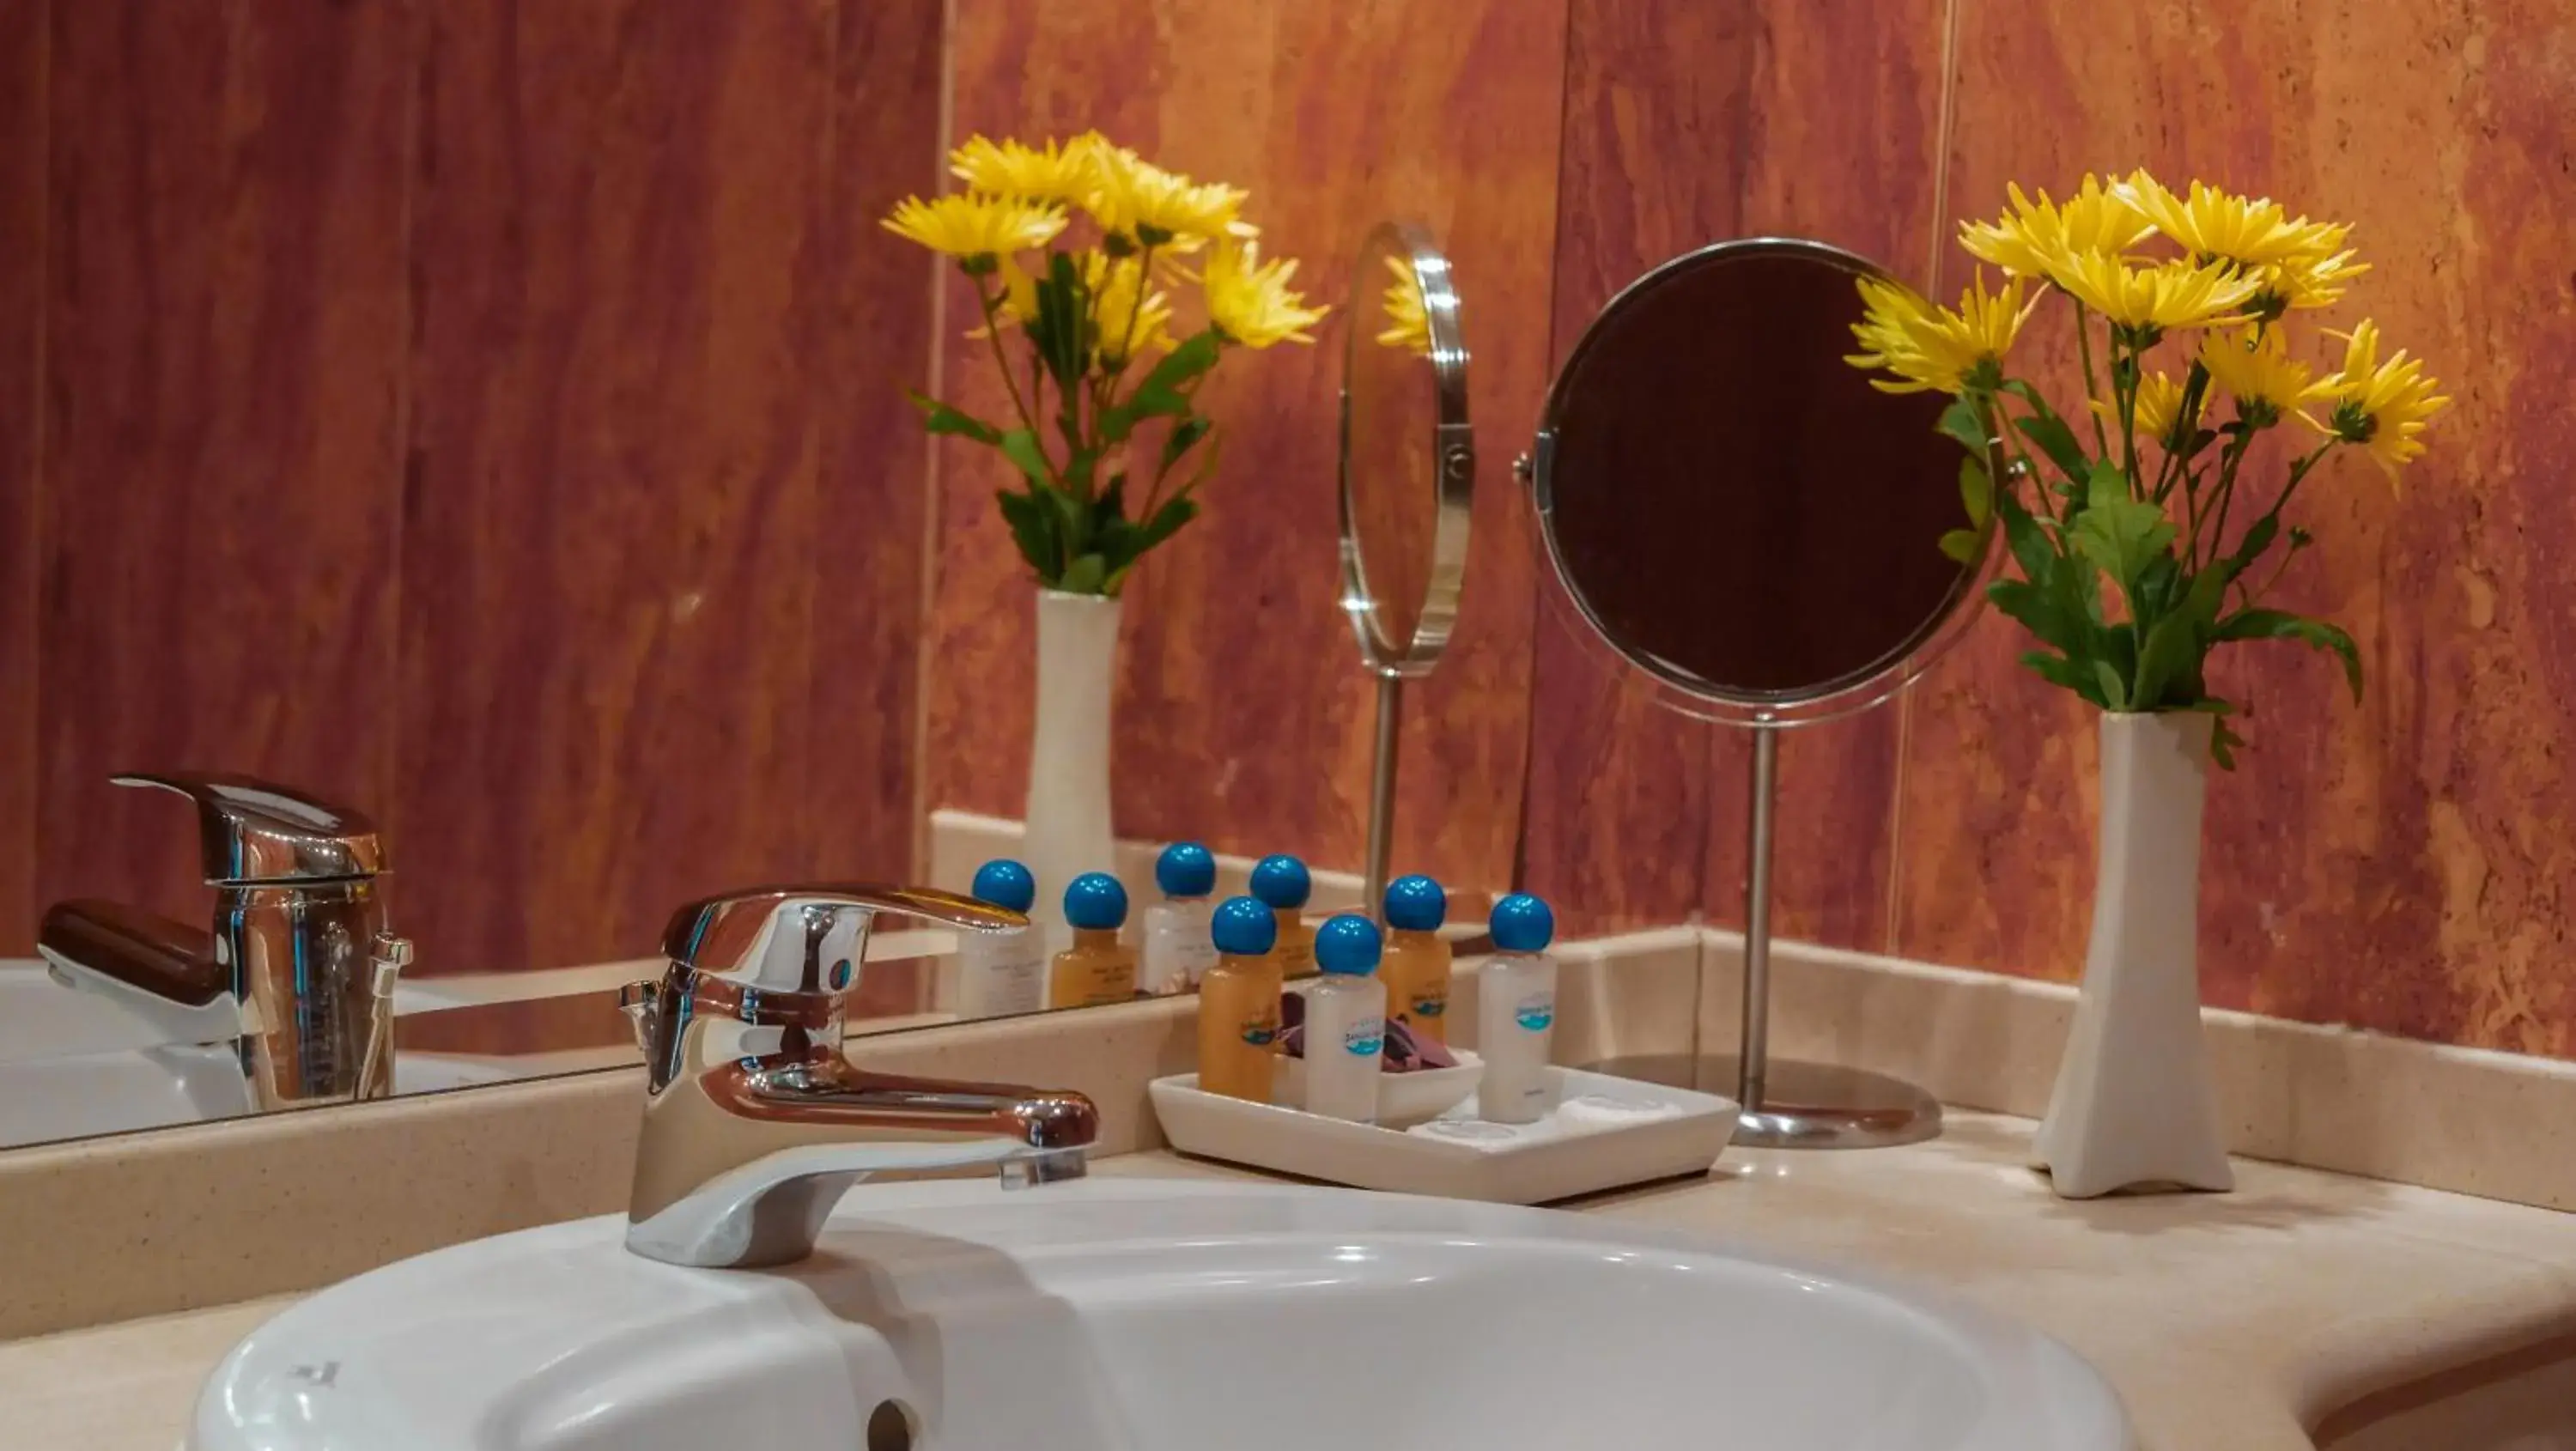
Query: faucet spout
(741, 1162)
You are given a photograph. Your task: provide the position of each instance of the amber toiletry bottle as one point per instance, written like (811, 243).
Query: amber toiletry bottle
(1095, 969)
(1415, 968)
(1283, 885)
(1239, 1003)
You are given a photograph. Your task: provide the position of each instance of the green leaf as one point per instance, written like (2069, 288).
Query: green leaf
(1168, 519)
(1184, 436)
(2031, 547)
(1962, 421)
(2059, 671)
(1033, 530)
(2261, 624)
(2105, 483)
(2057, 441)
(1062, 316)
(2119, 535)
(1976, 492)
(2258, 537)
(1963, 545)
(1160, 395)
(1021, 447)
(2115, 692)
(938, 418)
(1088, 575)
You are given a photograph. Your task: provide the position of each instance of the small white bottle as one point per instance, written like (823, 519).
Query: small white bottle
(1516, 1013)
(1179, 947)
(1345, 1033)
(1001, 972)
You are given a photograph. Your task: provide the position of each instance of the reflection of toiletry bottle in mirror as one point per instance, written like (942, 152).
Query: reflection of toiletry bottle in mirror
(1516, 1008)
(1345, 1034)
(1178, 949)
(1416, 967)
(1282, 883)
(1096, 969)
(1001, 972)
(1239, 1003)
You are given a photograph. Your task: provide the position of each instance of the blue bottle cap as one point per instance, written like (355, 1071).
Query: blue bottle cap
(1282, 881)
(1522, 923)
(1416, 904)
(1185, 869)
(1347, 943)
(1095, 901)
(1243, 927)
(1005, 883)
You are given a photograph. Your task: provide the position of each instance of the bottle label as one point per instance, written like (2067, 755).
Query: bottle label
(1365, 1038)
(1430, 1005)
(1535, 1011)
(1260, 1032)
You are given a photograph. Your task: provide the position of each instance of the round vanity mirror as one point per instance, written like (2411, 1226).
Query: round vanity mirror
(1408, 471)
(1738, 514)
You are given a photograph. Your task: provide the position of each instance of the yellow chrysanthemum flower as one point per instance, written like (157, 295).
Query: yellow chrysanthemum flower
(1250, 301)
(2021, 242)
(2381, 406)
(1127, 326)
(2159, 402)
(1133, 198)
(2212, 225)
(2176, 294)
(1933, 348)
(1407, 325)
(1061, 172)
(974, 229)
(2259, 373)
(2307, 282)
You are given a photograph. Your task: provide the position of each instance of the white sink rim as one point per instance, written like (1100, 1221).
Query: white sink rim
(2040, 1396)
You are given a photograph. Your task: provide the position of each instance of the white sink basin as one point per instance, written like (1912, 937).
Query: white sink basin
(1142, 1315)
(43, 1100)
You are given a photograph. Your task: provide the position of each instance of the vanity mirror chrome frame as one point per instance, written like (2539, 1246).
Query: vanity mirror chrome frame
(1453, 445)
(1784, 1104)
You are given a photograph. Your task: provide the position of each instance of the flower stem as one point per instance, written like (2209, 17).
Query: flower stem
(2092, 389)
(993, 334)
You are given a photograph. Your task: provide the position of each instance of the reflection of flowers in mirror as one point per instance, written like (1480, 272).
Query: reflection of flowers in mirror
(1101, 464)
(1408, 326)
(2146, 499)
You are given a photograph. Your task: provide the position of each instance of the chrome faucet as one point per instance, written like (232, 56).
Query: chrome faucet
(299, 971)
(754, 1123)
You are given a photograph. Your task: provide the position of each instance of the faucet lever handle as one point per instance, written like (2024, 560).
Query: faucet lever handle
(806, 938)
(255, 831)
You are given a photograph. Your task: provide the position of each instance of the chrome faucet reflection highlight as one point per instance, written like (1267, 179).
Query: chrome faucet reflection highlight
(299, 970)
(754, 1124)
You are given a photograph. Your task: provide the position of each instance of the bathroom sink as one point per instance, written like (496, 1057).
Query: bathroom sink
(1144, 1315)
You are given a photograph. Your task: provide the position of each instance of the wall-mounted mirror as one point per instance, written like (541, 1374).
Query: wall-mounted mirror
(1741, 517)
(1408, 473)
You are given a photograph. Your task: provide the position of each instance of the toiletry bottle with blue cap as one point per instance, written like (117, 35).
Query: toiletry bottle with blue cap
(1516, 1011)
(1239, 1003)
(1283, 884)
(1097, 968)
(1001, 972)
(1415, 968)
(1178, 948)
(1345, 1030)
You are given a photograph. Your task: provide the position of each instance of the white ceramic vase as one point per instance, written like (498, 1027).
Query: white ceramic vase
(1067, 820)
(2134, 1107)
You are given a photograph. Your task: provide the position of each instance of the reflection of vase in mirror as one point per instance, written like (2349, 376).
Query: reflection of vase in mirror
(1752, 517)
(1394, 496)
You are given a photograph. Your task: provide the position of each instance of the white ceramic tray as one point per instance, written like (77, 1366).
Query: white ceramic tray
(1403, 1099)
(1605, 1132)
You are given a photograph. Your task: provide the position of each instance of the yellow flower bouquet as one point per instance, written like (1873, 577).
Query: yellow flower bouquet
(1099, 331)
(2200, 343)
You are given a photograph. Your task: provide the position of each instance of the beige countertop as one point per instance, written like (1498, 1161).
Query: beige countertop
(2225, 1321)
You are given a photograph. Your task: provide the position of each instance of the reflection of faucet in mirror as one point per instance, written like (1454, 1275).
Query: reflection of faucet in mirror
(754, 1123)
(299, 970)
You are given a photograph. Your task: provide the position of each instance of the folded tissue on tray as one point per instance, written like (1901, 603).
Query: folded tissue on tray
(1405, 1051)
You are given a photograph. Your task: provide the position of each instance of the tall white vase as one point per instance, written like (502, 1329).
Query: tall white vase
(2134, 1106)
(1068, 829)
